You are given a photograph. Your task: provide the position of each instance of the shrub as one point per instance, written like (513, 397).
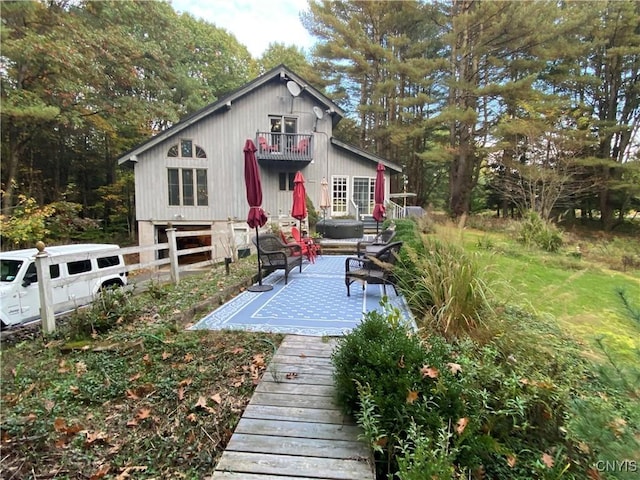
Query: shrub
(524, 405)
(114, 306)
(534, 231)
(381, 375)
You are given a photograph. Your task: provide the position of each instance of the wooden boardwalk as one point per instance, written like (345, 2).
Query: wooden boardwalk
(291, 429)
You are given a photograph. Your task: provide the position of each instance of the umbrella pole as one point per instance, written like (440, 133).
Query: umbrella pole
(260, 287)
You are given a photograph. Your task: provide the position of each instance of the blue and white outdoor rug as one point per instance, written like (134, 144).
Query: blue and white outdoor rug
(314, 302)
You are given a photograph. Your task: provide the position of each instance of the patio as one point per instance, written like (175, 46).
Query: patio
(313, 303)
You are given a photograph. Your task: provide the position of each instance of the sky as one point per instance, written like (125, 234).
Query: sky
(255, 23)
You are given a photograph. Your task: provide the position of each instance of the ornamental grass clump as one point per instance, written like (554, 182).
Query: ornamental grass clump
(445, 286)
(533, 230)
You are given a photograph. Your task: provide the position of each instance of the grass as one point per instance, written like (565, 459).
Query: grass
(580, 293)
(147, 399)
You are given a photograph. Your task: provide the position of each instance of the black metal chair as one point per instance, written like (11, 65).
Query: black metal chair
(373, 269)
(276, 255)
(383, 238)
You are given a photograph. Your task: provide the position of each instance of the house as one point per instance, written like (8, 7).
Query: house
(192, 174)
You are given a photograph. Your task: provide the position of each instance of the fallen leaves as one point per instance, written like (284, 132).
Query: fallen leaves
(461, 424)
(67, 431)
(547, 460)
(176, 393)
(100, 473)
(454, 368)
(95, 437)
(430, 372)
(412, 396)
(126, 472)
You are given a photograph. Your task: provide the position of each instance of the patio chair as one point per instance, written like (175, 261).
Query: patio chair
(265, 147)
(302, 147)
(383, 238)
(308, 246)
(373, 269)
(276, 255)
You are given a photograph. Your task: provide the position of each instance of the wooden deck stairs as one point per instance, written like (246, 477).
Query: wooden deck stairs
(292, 429)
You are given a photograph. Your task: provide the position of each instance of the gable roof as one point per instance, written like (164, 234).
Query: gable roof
(364, 154)
(225, 102)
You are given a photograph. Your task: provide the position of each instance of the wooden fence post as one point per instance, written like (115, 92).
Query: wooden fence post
(44, 289)
(173, 253)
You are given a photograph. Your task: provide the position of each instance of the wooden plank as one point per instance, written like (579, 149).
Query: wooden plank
(290, 367)
(308, 344)
(326, 431)
(306, 379)
(292, 400)
(252, 476)
(312, 467)
(296, 360)
(301, 447)
(317, 415)
(305, 352)
(295, 388)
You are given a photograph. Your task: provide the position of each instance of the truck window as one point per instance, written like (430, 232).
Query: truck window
(81, 266)
(32, 274)
(9, 269)
(104, 262)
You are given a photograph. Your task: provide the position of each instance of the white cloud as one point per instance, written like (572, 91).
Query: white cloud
(255, 23)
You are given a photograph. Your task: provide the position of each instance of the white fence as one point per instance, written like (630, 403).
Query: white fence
(222, 248)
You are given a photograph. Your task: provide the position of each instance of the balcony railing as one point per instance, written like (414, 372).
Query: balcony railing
(281, 147)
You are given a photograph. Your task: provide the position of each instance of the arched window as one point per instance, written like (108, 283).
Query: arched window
(187, 186)
(185, 150)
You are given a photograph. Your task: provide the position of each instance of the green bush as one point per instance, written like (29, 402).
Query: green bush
(399, 374)
(534, 231)
(524, 405)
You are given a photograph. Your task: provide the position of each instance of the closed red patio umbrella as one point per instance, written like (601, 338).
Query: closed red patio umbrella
(378, 197)
(299, 208)
(256, 218)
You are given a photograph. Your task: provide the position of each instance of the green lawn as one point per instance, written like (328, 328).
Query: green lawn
(581, 294)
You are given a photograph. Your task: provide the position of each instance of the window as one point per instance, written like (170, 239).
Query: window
(283, 125)
(339, 195)
(285, 180)
(185, 150)
(363, 194)
(81, 266)
(187, 186)
(9, 269)
(32, 275)
(105, 262)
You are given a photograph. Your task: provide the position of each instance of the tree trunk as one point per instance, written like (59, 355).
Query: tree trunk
(12, 168)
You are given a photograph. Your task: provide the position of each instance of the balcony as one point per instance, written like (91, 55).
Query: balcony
(284, 149)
